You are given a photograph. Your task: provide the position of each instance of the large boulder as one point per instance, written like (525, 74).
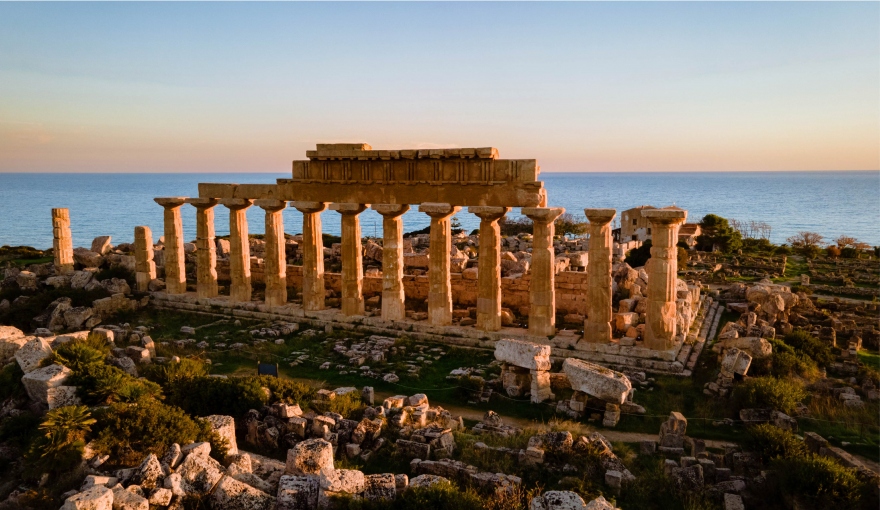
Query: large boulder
(380, 487)
(755, 346)
(199, 473)
(38, 382)
(523, 354)
(11, 340)
(101, 245)
(128, 500)
(31, 354)
(597, 381)
(95, 498)
(79, 279)
(231, 494)
(310, 457)
(427, 481)
(558, 500)
(224, 426)
(116, 286)
(87, 258)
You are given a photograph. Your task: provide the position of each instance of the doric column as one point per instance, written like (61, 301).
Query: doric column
(489, 267)
(62, 241)
(145, 268)
(239, 249)
(275, 261)
(542, 289)
(597, 327)
(352, 258)
(439, 287)
(175, 268)
(206, 247)
(393, 296)
(313, 255)
(662, 270)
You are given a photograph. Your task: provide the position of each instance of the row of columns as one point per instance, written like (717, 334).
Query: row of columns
(660, 322)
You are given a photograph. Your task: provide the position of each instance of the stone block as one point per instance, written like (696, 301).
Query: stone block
(11, 340)
(128, 500)
(523, 354)
(96, 498)
(297, 493)
(597, 381)
(31, 354)
(380, 487)
(310, 457)
(38, 382)
(231, 494)
(224, 426)
(558, 500)
(199, 474)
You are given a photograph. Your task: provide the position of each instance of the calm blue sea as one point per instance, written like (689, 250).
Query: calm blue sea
(830, 203)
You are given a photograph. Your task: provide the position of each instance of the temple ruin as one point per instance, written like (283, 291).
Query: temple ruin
(348, 179)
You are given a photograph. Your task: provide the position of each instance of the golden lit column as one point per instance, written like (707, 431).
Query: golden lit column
(489, 267)
(662, 270)
(275, 261)
(144, 266)
(206, 247)
(240, 288)
(62, 241)
(313, 255)
(393, 295)
(597, 327)
(542, 288)
(175, 266)
(439, 285)
(352, 258)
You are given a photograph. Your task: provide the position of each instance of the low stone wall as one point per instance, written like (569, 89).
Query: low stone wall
(571, 287)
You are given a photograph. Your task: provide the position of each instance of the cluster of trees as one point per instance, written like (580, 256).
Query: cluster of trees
(810, 245)
(566, 224)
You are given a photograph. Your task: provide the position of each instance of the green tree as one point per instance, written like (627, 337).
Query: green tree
(717, 234)
(638, 257)
(569, 224)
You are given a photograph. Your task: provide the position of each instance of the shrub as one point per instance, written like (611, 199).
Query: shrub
(849, 252)
(637, 257)
(568, 223)
(767, 392)
(810, 346)
(772, 442)
(442, 496)
(116, 272)
(99, 384)
(287, 390)
(204, 396)
(76, 356)
(129, 432)
(19, 430)
(514, 226)
(347, 405)
(821, 481)
(61, 444)
(167, 374)
(10, 381)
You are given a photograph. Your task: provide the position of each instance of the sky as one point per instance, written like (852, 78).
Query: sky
(609, 87)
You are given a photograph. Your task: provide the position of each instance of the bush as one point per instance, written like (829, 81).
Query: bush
(287, 390)
(129, 432)
(568, 223)
(99, 384)
(637, 257)
(204, 396)
(167, 374)
(832, 252)
(442, 496)
(821, 481)
(514, 226)
(767, 392)
(117, 272)
(76, 356)
(347, 405)
(60, 447)
(20, 430)
(810, 346)
(849, 253)
(10, 381)
(772, 442)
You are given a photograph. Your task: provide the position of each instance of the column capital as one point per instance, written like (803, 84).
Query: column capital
(488, 212)
(202, 203)
(543, 214)
(270, 204)
(348, 208)
(170, 202)
(438, 210)
(665, 216)
(600, 216)
(308, 207)
(390, 210)
(236, 203)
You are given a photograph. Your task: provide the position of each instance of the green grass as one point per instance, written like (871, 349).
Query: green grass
(870, 358)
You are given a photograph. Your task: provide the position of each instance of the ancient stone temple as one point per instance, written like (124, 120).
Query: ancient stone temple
(349, 178)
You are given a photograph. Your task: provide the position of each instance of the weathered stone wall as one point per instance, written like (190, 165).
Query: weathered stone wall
(571, 287)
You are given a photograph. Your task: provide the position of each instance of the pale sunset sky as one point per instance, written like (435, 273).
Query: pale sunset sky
(241, 87)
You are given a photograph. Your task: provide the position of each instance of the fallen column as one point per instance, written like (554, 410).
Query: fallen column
(175, 267)
(393, 296)
(589, 379)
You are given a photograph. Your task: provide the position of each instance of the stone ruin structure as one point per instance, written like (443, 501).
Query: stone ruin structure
(349, 178)
(524, 365)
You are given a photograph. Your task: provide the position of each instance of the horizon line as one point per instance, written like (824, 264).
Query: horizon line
(237, 172)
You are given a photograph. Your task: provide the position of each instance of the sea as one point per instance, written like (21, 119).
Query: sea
(829, 203)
